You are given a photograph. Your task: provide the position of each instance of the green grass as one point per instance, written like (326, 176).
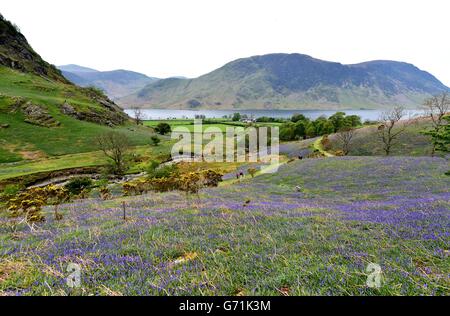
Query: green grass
(353, 211)
(22, 139)
(410, 143)
(222, 124)
(88, 159)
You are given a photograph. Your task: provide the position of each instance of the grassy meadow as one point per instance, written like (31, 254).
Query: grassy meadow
(255, 237)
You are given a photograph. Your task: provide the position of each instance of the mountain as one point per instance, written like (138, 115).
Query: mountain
(41, 112)
(115, 83)
(16, 53)
(292, 81)
(75, 68)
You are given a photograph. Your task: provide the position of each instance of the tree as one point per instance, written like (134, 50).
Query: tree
(236, 117)
(338, 120)
(345, 137)
(287, 131)
(441, 137)
(298, 117)
(155, 140)
(352, 121)
(115, 146)
(138, 115)
(391, 128)
(436, 108)
(163, 128)
(300, 128)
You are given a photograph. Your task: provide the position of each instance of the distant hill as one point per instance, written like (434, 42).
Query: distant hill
(115, 83)
(288, 81)
(75, 68)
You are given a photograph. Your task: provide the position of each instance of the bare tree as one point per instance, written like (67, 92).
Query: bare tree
(115, 146)
(345, 137)
(391, 127)
(138, 115)
(436, 108)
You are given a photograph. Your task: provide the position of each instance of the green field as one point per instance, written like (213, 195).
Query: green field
(222, 124)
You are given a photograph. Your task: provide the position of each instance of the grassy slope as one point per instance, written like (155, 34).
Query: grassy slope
(352, 211)
(410, 143)
(73, 136)
(88, 159)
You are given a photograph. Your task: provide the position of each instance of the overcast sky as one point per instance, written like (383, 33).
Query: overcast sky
(165, 38)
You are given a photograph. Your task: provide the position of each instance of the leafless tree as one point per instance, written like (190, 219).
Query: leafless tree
(391, 127)
(345, 137)
(436, 108)
(115, 146)
(138, 115)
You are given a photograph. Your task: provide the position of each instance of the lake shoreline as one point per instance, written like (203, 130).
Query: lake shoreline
(164, 114)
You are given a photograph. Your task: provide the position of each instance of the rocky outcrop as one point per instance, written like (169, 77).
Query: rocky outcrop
(16, 53)
(109, 116)
(37, 115)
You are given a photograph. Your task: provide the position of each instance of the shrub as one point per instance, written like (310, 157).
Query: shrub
(326, 142)
(105, 193)
(252, 171)
(155, 140)
(28, 204)
(9, 192)
(135, 187)
(211, 178)
(163, 184)
(76, 185)
(163, 171)
(163, 128)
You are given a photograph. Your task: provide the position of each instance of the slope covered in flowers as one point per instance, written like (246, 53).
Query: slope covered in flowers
(259, 236)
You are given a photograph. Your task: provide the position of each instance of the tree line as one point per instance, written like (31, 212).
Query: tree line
(301, 127)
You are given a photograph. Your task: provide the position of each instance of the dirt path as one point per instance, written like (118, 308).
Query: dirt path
(318, 145)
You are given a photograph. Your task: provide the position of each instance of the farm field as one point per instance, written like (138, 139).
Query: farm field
(259, 236)
(189, 124)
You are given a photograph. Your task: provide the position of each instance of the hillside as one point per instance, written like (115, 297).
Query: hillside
(283, 81)
(115, 83)
(41, 113)
(352, 211)
(412, 142)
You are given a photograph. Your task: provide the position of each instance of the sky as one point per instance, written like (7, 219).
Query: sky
(164, 38)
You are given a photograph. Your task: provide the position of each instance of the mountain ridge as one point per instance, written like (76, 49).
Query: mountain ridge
(287, 81)
(115, 83)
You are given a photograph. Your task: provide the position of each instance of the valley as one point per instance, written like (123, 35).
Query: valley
(350, 176)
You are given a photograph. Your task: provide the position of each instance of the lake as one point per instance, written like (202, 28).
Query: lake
(162, 114)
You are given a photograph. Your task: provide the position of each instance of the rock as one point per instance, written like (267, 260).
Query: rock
(67, 109)
(4, 126)
(35, 114)
(109, 116)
